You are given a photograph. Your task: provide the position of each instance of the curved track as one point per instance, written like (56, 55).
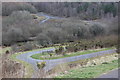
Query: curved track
(47, 17)
(52, 63)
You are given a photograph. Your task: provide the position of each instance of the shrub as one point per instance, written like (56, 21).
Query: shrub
(41, 65)
(43, 39)
(8, 8)
(15, 48)
(70, 48)
(105, 63)
(18, 27)
(24, 47)
(14, 35)
(56, 35)
(50, 54)
(64, 53)
(59, 50)
(27, 47)
(34, 16)
(7, 52)
(118, 50)
(97, 30)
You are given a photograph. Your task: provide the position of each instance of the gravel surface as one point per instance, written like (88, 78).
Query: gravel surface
(111, 74)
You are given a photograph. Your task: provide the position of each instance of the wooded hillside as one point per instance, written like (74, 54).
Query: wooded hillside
(84, 21)
(83, 10)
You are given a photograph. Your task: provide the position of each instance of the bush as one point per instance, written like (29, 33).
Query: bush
(15, 48)
(71, 48)
(97, 30)
(34, 16)
(56, 35)
(27, 47)
(41, 65)
(7, 52)
(92, 44)
(50, 54)
(18, 27)
(59, 50)
(43, 39)
(24, 47)
(13, 35)
(105, 63)
(8, 8)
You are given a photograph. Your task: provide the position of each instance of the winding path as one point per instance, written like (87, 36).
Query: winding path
(52, 63)
(47, 17)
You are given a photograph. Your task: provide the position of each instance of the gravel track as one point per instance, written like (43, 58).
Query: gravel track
(52, 63)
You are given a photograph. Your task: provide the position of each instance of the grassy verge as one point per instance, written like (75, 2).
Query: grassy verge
(91, 71)
(39, 56)
(29, 69)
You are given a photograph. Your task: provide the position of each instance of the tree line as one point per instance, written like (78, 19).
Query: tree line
(9, 7)
(83, 10)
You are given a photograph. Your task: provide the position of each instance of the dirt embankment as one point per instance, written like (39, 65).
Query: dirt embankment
(10, 69)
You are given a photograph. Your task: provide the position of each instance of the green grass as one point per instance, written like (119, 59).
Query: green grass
(28, 66)
(38, 56)
(90, 72)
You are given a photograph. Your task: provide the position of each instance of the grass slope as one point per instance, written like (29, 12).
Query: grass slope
(91, 71)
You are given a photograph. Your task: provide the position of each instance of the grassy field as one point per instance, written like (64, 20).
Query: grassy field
(91, 71)
(40, 56)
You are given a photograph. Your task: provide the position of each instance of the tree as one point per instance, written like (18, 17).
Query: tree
(60, 50)
(110, 8)
(19, 26)
(8, 8)
(56, 35)
(88, 11)
(97, 30)
(43, 39)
